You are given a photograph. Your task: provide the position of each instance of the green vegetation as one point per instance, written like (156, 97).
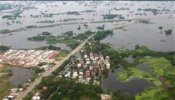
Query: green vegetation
(46, 33)
(118, 95)
(5, 7)
(73, 13)
(132, 73)
(37, 38)
(161, 74)
(168, 32)
(88, 11)
(112, 16)
(145, 21)
(102, 34)
(40, 37)
(46, 21)
(68, 38)
(4, 68)
(63, 53)
(153, 94)
(4, 48)
(73, 45)
(37, 70)
(160, 71)
(80, 37)
(31, 26)
(5, 31)
(112, 53)
(142, 51)
(69, 33)
(60, 89)
(14, 15)
(56, 88)
(101, 27)
(5, 85)
(68, 89)
(4, 80)
(48, 81)
(161, 65)
(157, 65)
(7, 16)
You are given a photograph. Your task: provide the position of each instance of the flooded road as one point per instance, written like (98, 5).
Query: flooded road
(59, 12)
(50, 13)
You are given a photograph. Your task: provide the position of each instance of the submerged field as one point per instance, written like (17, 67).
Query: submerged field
(159, 71)
(138, 37)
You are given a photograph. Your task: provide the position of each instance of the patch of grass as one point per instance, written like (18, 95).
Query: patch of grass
(4, 68)
(63, 53)
(158, 65)
(153, 94)
(4, 86)
(132, 73)
(122, 76)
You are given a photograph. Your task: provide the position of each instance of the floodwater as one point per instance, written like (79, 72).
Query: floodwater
(133, 86)
(20, 75)
(145, 34)
(144, 67)
(137, 33)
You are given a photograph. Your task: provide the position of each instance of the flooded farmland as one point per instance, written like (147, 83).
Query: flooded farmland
(91, 13)
(151, 24)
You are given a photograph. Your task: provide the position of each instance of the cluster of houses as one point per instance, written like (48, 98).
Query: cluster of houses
(13, 93)
(27, 58)
(87, 67)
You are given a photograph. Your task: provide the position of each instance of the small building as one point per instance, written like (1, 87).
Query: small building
(67, 74)
(36, 97)
(108, 65)
(87, 73)
(10, 97)
(105, 97)
(88, 62)
(85, 56)
(80, 73)
(75, 75)
(79, 65)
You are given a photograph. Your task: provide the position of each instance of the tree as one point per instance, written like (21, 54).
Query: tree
(160, 28)
(4, 48)
(119, 95)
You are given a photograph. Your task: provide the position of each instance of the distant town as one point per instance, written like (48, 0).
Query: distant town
(28, 58)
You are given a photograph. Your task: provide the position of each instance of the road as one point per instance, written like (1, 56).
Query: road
(70, 23)
(38, 79)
